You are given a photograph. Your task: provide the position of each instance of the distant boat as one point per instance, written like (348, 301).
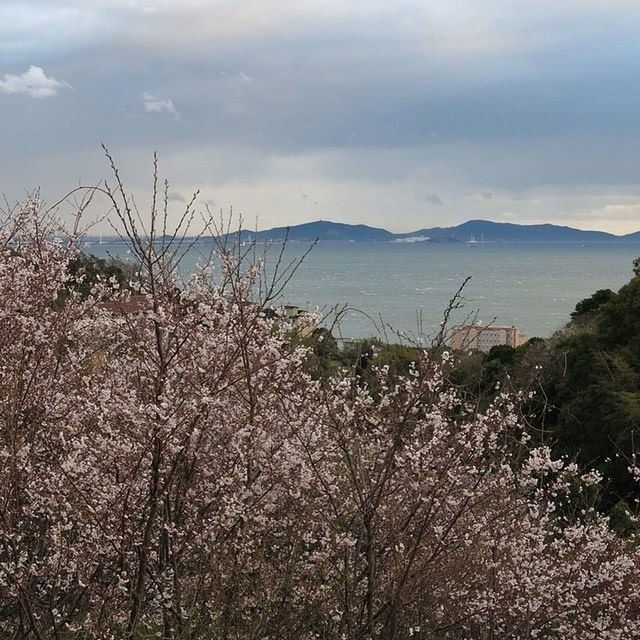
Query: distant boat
(472, 242)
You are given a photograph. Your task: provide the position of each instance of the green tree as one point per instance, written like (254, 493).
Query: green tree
(619, 319)
(85, 269)
(592, 303)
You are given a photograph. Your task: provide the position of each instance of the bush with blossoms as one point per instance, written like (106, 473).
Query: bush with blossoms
(168, 469)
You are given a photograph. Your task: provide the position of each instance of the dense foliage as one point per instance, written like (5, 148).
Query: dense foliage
(593, 383)
(170, 469)
(587, 383)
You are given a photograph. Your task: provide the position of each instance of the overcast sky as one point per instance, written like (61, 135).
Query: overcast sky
(394, 113)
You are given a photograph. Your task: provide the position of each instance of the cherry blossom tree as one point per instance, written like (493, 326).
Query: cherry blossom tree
(169, 469)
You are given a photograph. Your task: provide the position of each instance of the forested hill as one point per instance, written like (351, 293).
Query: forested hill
(323, 230)
(478, 229)
(505, 232)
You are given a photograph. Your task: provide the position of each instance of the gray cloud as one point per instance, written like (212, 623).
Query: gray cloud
(434, 199)
(339, 100)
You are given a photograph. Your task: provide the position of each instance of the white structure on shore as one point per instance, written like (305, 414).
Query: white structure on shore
(483, 338)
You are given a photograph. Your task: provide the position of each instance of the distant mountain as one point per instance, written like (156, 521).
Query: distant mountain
(322, 230)
(478, 229)
(509, 232)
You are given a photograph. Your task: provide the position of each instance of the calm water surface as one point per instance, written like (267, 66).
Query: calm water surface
(532, 285)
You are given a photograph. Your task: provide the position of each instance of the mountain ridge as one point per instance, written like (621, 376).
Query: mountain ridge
(487, 230)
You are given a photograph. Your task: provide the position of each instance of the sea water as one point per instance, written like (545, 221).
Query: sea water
(399, 289)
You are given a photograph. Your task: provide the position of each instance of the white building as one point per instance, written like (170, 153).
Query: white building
(481, 338)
